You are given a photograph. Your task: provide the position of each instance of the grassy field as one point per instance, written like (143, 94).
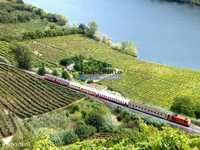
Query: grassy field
(146, 82)
(27, 96)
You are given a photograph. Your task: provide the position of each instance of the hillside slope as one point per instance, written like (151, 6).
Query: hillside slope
(143, 81)
(26, 96)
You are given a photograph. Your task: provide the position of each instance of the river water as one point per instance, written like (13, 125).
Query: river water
(164, 32)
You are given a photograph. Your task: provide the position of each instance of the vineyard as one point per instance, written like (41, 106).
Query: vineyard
(25, 96)
(147, 82)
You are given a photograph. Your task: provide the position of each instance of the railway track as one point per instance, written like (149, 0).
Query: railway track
(191, 129)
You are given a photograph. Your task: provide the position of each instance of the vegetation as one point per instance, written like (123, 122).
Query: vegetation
(23, 57)
(186, 106)
(45, 116)
(42, 70)
(142, 81)
(87, 66)
(28, 96)
(20, 12)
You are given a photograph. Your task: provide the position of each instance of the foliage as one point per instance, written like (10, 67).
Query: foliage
(95, 120)
(55, 72)
(129, 48)
(173, 139)
(41, 71)
(44, 144)
(184, 105)
(84, 131)
(91, 30)
(60, 31)
(69, 137)
(23, 56)
(74, 109)
(87, 66)
(65, 75)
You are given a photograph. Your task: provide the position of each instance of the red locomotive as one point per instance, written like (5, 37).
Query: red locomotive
(180, 120)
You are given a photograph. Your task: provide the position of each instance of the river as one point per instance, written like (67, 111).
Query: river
(164, 32)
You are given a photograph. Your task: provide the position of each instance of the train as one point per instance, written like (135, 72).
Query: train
(110, 97)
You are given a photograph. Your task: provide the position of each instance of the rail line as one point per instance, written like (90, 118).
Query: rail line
(116, 101)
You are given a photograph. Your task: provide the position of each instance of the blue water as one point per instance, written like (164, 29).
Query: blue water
(166, 33)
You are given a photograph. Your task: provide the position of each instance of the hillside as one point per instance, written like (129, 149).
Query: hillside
(40, 115)
(26, 96)
(17, 18)
(143, 81)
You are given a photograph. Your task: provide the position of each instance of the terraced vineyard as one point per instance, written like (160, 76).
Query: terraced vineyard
(5, 51)
(7, 124)
(26, 96)
(146, 82)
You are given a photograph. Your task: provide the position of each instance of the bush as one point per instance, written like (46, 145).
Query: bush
(92, 29)
(173, 139)
(84, 131)
(95, 120)
(74, 109)
(69, 137)
(65, 75)
(23, 56)
(55, 72)
(42, 71)
(184, 105)
(129, 48)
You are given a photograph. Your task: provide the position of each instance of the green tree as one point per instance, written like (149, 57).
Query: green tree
(84, 131)
(55, 72)
(69, 137)
(95, 119)
(92, 29)
(42, 71)
(23, 56)
(184, 105)
(129, 48)
(65, 75)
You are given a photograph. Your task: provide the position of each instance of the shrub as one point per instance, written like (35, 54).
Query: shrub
(91, 30)
(55, 72)
(84, 131)
(173, 139)
(95, 120)
(74, 109)
(69, 137)
(42, 71)
(184, 105)
(129, 48)
(65, 75)
(23, 56)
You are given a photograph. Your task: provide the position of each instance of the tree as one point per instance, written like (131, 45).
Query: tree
(83, 28)
(129, 48)
(95, 119)
(23, 56)
(42, 70)
(55, 72)
(92, 29)
(184, 105)
(69, 137)
(84, 131)
(65, 75)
